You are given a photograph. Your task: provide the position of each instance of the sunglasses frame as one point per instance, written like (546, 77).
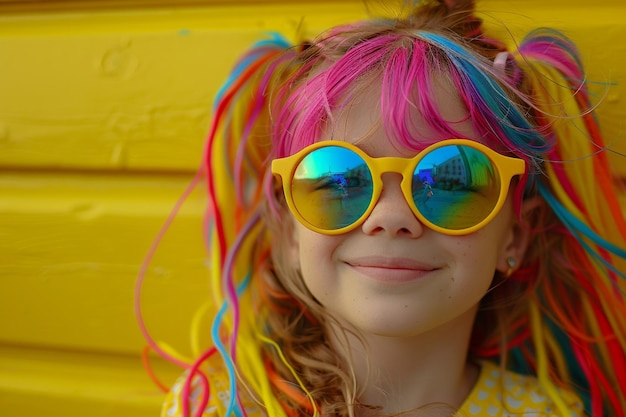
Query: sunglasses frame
(506, 166)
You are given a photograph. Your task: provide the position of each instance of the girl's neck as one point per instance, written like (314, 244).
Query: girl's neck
(404, 373)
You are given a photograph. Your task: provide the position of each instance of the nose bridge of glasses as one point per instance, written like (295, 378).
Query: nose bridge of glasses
(396, 172)
(392, 164)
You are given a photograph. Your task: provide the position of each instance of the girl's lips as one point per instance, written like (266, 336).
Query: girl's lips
(391, 269)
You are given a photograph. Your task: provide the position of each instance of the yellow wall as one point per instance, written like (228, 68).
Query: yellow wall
(103, 112)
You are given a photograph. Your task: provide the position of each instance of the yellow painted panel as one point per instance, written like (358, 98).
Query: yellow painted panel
(21, 6)
(76, 384)
(70, 250)
(133, 88)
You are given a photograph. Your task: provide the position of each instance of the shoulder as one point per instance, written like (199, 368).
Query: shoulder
(498, 393)
(217, 390)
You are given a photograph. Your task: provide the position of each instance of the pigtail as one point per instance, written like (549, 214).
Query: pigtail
(576, 313)
(272, 345)
(235, 165)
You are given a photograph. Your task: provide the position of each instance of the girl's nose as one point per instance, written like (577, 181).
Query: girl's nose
(392, 215)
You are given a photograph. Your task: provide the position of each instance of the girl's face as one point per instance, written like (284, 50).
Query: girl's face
(392, 276)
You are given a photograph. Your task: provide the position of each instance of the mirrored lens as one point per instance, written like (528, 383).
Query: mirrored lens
(332, 187)
(455, 186)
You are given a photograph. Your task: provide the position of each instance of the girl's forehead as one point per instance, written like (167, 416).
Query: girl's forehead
(372, 122)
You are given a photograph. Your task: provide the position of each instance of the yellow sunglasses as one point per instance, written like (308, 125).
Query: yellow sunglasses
(455, 186)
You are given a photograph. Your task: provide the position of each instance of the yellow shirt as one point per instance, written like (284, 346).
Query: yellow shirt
(494, 395)
(511, 394)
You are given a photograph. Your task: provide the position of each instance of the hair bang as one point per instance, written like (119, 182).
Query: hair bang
(405, 73)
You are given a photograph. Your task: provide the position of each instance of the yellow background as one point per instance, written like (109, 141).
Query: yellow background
(104, 106)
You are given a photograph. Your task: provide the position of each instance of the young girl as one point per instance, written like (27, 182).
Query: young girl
(338, 293)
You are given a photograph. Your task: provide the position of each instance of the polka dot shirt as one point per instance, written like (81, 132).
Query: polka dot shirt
(495, 394)
(498, 394)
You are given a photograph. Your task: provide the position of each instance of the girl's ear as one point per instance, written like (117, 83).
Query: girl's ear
(514, 250)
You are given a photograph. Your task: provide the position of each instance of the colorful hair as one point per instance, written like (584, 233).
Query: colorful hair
(559, 316)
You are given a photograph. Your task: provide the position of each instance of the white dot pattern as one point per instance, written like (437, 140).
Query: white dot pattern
(508, 394)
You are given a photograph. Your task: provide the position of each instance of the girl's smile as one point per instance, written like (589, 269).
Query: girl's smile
(390, 269)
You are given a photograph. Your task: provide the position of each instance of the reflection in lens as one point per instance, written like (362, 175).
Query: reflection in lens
(463, 184)
(332, 187)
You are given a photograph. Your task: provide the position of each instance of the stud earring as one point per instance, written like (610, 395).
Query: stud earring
(511, 262)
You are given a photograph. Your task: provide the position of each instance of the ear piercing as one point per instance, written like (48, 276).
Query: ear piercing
(511, 262)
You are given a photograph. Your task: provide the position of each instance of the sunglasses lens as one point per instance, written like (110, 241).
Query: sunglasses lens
(456, 186)
(332, 187)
